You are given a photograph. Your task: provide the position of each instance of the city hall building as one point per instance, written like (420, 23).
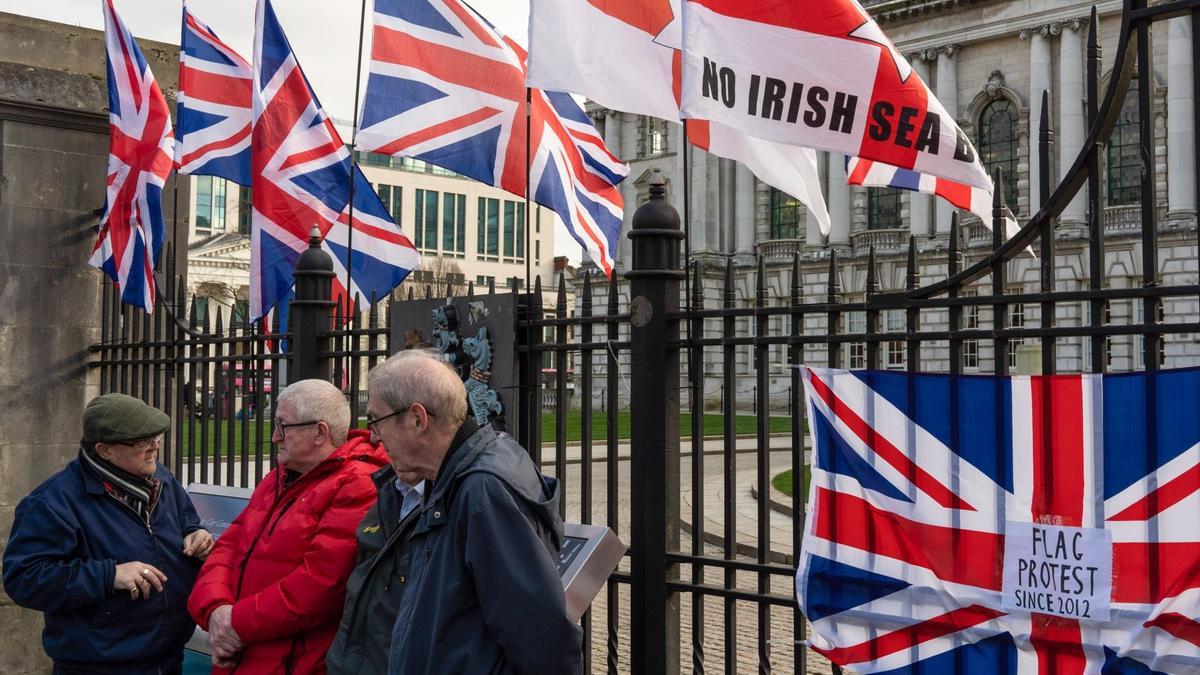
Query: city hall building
(988, 62)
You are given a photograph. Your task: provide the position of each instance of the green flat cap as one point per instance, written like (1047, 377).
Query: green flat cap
(115, 418)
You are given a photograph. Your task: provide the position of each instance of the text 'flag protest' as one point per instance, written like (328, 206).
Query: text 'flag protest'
(447, 88)
(974, 524)
(141, 147)
(818, 74)
(637, 71)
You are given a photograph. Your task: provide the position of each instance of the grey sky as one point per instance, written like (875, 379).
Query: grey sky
(325, 39)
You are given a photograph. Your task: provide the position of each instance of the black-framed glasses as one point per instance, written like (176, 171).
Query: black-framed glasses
(372, 421)
(284, 426)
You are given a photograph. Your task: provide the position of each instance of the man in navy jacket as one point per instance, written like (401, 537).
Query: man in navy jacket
(483, 593)
(108, 549)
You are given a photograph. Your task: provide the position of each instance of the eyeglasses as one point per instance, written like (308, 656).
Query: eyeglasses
(145, 444)
(282, 427)
(372, 421)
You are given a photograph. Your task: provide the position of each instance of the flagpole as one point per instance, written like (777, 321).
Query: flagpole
(685, 148)
(362, 19)
(528, 125)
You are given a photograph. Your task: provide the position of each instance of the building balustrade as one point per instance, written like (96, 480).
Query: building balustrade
(885, 241)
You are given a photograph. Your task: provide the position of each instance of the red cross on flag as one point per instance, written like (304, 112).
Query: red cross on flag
(819, 74)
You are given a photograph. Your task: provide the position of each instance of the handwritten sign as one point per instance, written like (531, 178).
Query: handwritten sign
(1051, 569)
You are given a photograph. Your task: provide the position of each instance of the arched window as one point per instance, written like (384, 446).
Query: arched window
(998, 144)
(883, 209)
(1124, 167)
(785, 215)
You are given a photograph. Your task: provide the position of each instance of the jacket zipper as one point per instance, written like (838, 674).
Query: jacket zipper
(392, 540)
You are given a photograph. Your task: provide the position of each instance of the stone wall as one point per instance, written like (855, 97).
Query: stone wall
(53, 158)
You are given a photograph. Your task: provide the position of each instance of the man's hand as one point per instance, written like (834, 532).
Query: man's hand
(138, 578)
(198, 544)
(224, 639)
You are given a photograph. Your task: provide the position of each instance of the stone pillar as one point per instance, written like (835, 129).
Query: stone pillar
(679, 147)
(947, 93)
(1181, 163)
(1039, 81)
(744, 214)
(613, 138)
(713, 199)
(839, 203)
(728, 225)
(919, 204)
(698, 198)
(1071, 120)
(812, 230)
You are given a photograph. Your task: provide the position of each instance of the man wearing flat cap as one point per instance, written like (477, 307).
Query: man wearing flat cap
(108, 549)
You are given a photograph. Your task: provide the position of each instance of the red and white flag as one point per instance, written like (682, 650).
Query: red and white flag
(625, 55)
(818, 74)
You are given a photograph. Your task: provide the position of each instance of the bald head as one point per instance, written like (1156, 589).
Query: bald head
(420, 376)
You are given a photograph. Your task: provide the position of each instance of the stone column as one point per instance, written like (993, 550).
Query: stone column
(714, 200)
(839, 203)
(676, 190)
(698, 196)
(1071, 119)
(613, 139)
(919, 204)
(728, 224)
(947, 93)
(812, 230)
(1039, 81)
(1181, 163)
(745, 208)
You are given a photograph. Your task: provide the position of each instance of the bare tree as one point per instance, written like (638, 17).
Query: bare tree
(443, 273)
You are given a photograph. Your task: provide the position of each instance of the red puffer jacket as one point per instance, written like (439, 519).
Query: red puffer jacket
(284, 561)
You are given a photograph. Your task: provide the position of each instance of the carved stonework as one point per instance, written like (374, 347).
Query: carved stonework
(995, 84)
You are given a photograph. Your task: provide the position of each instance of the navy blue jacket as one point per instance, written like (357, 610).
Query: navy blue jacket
(484, 595)
(67, 539)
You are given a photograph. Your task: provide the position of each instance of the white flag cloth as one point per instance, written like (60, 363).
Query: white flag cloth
(624, 55)
(818, 74)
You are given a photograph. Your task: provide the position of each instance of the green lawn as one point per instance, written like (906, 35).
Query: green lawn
(783, 481)
(714, 425)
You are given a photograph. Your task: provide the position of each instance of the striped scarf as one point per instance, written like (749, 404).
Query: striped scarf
(139, 494)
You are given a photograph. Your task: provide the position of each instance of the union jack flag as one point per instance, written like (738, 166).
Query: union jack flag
(447, 88)
(383, 256)
(301, 178)
(1004, 525)
(978, 201)
(214, 110)
(139, 160)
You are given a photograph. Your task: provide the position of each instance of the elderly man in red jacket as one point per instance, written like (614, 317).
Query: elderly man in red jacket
(271, 592)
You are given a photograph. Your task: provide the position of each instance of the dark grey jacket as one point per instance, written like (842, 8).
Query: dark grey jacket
(376, 585)
(484, 595)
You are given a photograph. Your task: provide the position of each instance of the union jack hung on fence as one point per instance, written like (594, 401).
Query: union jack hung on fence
(139, 160)
(976, 200)
(1041, 525)
(447, 88)
(214, 110)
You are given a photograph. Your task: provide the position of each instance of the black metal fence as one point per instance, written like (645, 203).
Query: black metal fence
(707, 585)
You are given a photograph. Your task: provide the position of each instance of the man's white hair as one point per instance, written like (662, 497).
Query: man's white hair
(319, 401)
(420, 376)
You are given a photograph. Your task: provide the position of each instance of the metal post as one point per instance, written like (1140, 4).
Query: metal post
(654, 469)
(311, 313)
